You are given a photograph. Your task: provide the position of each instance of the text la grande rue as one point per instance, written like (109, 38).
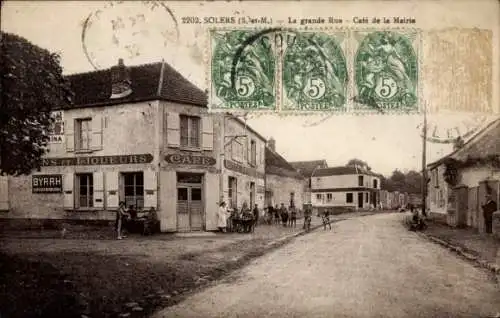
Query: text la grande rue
(356, 20)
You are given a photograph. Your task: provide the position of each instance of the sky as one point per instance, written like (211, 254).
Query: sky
(385, 142)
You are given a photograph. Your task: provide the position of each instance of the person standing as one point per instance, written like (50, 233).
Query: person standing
(488, 209)
(293, 217)
(277, 215)
(255, 215)
(222, 217)
(284, 214)
(121, 214)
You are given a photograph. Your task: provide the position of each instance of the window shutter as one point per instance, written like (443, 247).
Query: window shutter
(98, 189)
(96, 142)
(247, 152)
(69, 134)
(173, 130)
(112, 194)
(150, 189)
(208, 133)
(69, 191)
(4, 193)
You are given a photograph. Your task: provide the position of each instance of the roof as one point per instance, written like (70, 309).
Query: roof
(277, 165)
(342, 170)
(306, 168)
(155, 81)
(242, 122)
(484, 143)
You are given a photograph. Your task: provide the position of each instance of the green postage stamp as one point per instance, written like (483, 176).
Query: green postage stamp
(385, 70)
(314, 75)
(327, 70)
(243, 70)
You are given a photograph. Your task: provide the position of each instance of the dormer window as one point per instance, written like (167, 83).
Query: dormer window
(120, 81)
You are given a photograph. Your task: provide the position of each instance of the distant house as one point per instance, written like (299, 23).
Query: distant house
(345, 188)
(306, 169)
(283, 183)
(459, 182)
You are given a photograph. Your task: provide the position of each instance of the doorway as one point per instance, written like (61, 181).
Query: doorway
(190, 205)
(360, 199)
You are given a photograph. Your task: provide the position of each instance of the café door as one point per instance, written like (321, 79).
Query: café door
(190, 206)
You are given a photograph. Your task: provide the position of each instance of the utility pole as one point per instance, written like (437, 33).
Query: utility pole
(424, 162)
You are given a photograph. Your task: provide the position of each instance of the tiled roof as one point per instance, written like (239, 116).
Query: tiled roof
(306, 168)
(335, 171)
(277, 165)
(147, 83)
(483, 144)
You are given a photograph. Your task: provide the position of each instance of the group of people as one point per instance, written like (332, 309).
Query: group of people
(239, 220)
(125, 219)
(282, 214)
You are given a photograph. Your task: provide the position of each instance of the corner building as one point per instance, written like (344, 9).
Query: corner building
(138, 134)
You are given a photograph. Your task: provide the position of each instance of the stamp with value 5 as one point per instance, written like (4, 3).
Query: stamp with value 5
(314, 71)
(386, 70)
(243, 68)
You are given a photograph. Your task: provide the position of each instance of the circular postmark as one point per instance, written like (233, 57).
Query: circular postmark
(448, 129)
(137, 32)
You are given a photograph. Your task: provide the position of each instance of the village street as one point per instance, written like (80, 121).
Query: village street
(364, 267)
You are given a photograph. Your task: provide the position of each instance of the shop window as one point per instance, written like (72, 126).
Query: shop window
(329, 197)
(348, 197)
(133, 183)
(190, 131)
(360, 181)
(231, 192)
(85, 190)
(83, 132)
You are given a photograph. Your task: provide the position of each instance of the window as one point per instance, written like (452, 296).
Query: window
(292, 199)
(231, 192)
(253, 152)
(360, 181)
(190, 131)
(237, 151)
(435, 176)
(83, 134)
(348, 197)
(134, 189)
(85, 190)
(329, 197)
(375, 183)
(319, 197)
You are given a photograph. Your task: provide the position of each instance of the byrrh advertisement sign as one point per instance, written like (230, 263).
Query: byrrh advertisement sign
(46, 183)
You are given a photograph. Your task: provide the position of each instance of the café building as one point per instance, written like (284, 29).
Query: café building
(138, 134)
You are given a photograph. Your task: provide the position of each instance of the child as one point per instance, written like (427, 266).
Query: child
(326, 219)
(293, 217)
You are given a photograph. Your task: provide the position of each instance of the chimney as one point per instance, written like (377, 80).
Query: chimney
(120, 81)
(271, 144)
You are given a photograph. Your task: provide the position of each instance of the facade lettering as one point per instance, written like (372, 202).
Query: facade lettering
(98, 160)
(190, 160)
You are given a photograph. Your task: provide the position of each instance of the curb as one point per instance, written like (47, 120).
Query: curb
(494, 268)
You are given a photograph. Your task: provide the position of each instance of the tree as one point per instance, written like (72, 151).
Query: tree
(32, 85)
(410, 182)
(358, 162)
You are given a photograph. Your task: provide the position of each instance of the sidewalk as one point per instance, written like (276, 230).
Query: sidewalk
(481, 248)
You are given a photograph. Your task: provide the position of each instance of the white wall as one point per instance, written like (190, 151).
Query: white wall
(343, 181)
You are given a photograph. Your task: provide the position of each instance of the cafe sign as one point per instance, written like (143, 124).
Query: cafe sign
(46, 183)
(98, 160)
(180, 159)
